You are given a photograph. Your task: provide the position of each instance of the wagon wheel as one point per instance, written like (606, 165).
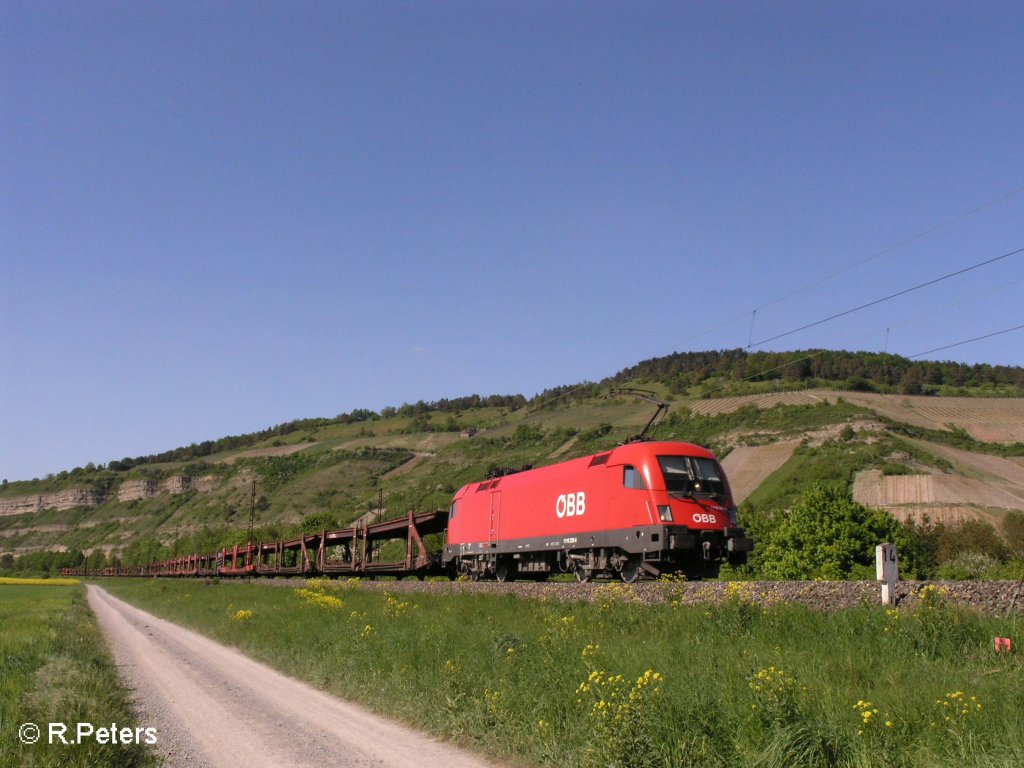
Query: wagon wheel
(630, 571)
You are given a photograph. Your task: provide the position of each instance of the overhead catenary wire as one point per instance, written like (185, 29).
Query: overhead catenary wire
(854, 265)
(892, 248)
(891, 296)
(817, 353)
(967, 341)
(877, 254)
(820, 352)
(943, 308)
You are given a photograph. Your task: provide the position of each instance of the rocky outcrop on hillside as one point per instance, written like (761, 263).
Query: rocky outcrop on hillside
(129, 490)
(135, 490)
(59, 500)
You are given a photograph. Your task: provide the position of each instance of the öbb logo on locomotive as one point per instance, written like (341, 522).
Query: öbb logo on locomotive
(571, 504)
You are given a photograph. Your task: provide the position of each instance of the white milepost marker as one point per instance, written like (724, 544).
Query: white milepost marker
(887, 565)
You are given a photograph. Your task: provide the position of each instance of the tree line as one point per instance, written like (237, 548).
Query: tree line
(197, 451)
(860, 370)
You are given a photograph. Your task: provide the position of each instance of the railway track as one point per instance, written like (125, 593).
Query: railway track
(991, 597)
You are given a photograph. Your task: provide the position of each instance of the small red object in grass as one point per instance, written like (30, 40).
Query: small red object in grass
(1004, 644)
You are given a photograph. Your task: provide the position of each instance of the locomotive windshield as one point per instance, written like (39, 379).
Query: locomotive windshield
(692, 476)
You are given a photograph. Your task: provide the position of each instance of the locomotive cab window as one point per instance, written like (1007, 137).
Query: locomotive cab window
(692, 476)
(633, 478)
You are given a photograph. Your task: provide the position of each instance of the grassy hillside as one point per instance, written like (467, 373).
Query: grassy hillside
(326, 472)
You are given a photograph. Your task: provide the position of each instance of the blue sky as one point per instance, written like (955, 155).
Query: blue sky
(220, 216)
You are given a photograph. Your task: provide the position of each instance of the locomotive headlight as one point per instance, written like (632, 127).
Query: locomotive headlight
(665, 513)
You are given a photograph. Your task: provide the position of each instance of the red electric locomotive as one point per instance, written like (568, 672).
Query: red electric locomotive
(644, 508)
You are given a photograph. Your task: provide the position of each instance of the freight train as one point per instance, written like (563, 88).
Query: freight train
(639, 510)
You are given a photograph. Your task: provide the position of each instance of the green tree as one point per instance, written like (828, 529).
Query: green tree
(98, 559)
(1013, 527)
(827, 535)
(144, 551)
(318, 521)
(912, 380)
(977, 536)
(525, 434)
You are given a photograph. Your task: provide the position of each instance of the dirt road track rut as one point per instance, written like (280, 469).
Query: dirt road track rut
(213, 706)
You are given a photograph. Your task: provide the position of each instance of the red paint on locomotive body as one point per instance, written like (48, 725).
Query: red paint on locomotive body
(659, 502)
(546, 501)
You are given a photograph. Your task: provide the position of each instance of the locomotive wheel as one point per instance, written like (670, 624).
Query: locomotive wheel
(630, 572)
(505, 571)
(711, 570)
(583, 575)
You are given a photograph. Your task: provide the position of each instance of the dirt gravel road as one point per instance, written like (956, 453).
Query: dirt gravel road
(213, 706)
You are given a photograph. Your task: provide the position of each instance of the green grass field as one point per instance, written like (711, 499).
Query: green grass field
(56, 669)
(617, 683)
